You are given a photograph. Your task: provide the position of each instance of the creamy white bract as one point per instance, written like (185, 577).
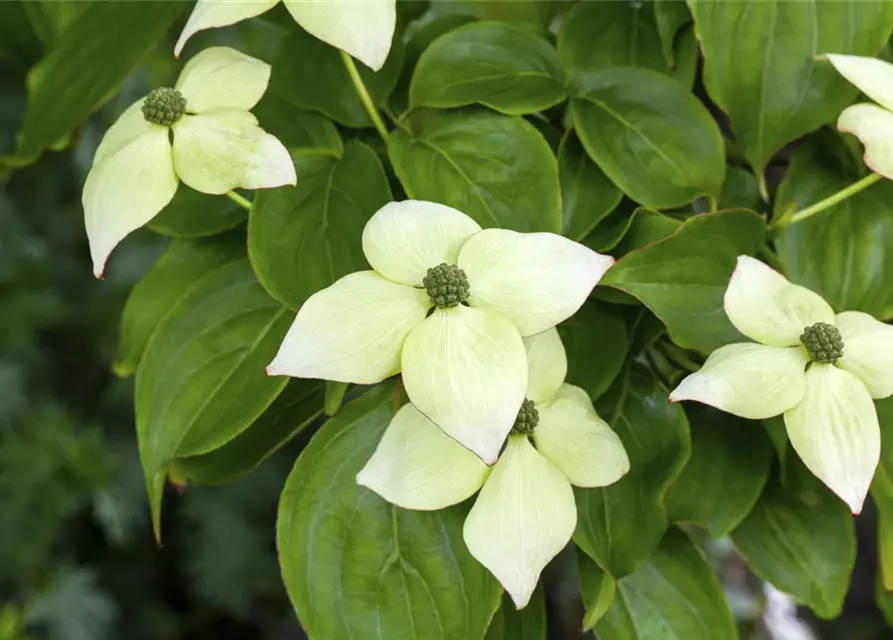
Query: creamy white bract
(871, 123)
(217, 146)
(828, 409)
(464, 367)
(525, 512)
(362, 28)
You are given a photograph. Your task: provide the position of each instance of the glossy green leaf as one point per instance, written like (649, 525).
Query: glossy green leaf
(297, 128)
(168, 282)
(884, 601)
(599, 35)
(683, 277)
(309, 74)
(597, 587)
(760, 66)
(534, 15)
(646, 227)
(497, 169)
(797, 480)
(882, 493)
(720, 483)
(675, 595)
(620, 525)
(192, 214)
(50, 19)
(357, 567)
(67, 85)
(334, 397)
(846, 252)
(19, 43)
(527, 624)
(610, 231)
(295, 409)
(495, 64)
(670, 16)
(650, 136)
(201, 381)
(302, 239)
(740, 190)
(587, 196)
(805, 550)
(596, 333)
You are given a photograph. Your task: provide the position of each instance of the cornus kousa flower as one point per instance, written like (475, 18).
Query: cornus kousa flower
(362, 28)
(525, 512)
(448, 304)
(199, 131)
(819, 369)
(872, 124)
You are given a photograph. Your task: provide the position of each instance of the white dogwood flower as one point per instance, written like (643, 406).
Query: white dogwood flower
(819, 369)
(525, 512)
(871, 123)
(362, 28)
(217, 146)
(448, 304)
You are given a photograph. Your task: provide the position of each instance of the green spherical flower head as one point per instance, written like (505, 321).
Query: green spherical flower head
(823, 342)
(528, 418)
(164, 106)
(447, 285)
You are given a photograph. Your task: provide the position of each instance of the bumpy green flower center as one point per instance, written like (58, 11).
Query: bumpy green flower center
(823, 342)
(447, 285)
(164, 106)
(528, 418)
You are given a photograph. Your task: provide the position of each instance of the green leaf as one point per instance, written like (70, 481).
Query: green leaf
(646, 226)
(683, 277)
(595, 36)
(884, 601)
(719, 486)
(201, 381)
(297, 128)
(674, 595)
(597, 587)
(882, 493)
(168, 282)
(740, 190)
(497, 169)
(587, 196)
(532, 15)
(68, 84)
(295, 409)
(760, 66)
(51, 19)
(495, 64)
(334, 397)
(18, 41)
(807, 551)
(650, 136)
(670, 16)
(620, 525)
(854, 276)
(302, 239)
(596, 333)
(527, 624)
(357, 567)
(309, 74)
(192, 214)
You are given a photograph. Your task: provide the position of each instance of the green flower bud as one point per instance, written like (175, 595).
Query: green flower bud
(528, 418)
(823, 342)
(164, 106)
(447, 285)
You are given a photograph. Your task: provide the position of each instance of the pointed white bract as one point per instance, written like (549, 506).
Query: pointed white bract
(768, 309)
(749, 380)
(523, 517)
(417, 466)
(872, 124)
(217, 146)
(352, 331)
(463, 361)
(835, 432)
(536, 280)
(826, 397)
(525, 513)
(362, 28)
(465, 369)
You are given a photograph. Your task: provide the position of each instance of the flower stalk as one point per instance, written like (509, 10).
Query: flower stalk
(364, 95)
(835, 198)
(243, 202)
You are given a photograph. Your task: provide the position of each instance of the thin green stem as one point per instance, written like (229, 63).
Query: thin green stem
(239, 200)
(365, 98)
(835, 198)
